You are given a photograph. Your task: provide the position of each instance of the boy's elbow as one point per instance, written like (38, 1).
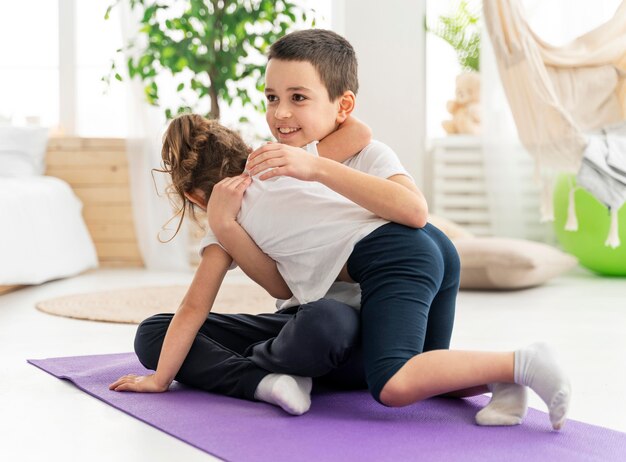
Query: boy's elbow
(418, 221)
(419, 216)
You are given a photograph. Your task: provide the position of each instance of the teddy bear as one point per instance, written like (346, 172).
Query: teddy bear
(465, 109)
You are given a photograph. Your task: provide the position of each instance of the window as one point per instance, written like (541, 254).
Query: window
(98, 114)
(29, 70)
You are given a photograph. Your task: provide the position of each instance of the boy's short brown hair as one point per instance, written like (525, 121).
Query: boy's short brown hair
(332, 56)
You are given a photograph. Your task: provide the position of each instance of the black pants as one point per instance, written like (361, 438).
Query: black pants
(233, 352)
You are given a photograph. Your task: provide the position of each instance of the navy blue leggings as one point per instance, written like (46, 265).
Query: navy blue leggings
(409, 279)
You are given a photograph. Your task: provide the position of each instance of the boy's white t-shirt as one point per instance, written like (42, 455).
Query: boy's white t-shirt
(309, 229)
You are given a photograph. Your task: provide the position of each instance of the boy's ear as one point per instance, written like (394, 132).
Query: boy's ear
(346, 106)
(198, 199)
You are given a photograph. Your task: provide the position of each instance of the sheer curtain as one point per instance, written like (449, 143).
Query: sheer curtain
(151, 210)
(513, 193)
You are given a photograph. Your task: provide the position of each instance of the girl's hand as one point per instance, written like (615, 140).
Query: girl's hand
(138, 383)
(225, 201)
(283, 160)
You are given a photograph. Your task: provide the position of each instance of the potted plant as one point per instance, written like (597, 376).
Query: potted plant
(209, 47)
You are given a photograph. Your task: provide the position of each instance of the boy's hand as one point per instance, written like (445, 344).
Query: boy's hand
(138, 383)
(225, 201)
(284, 160)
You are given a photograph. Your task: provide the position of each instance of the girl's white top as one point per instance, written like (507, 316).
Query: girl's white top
(309, 229)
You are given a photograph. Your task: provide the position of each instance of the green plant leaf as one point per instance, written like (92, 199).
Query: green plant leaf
(460, 28)
(148, 13)
(168, 52)
(181, 63)
(214, 43)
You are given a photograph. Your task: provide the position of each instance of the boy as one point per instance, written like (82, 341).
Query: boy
(319, 81)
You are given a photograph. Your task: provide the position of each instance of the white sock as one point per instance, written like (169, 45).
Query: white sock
(536, 367)
(290, 392)
(508, 405)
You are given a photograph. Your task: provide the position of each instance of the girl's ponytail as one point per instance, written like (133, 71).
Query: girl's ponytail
(198, 153)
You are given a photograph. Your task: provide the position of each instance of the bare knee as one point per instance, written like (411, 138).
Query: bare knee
(396, 393)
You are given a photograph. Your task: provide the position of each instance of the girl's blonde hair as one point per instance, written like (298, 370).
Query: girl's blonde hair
(198, 153)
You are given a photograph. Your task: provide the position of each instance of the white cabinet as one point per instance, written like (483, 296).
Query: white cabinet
(456, 188)
(455, 182)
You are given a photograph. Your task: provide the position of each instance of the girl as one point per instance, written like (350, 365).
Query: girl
(242, 355)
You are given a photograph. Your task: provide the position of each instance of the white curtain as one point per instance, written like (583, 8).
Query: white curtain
(151, 210)
(513, 194)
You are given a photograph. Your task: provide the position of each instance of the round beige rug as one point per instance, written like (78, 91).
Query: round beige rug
(134, 305)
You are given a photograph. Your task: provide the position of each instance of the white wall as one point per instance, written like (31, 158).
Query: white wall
(389, 40)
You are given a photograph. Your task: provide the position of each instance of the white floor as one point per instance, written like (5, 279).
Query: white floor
(43, 418)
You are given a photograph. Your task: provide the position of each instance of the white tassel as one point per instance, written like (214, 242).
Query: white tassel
(547, 207)
(572, 220)
(612, 239)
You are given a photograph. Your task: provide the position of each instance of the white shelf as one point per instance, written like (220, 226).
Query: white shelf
(456, 186)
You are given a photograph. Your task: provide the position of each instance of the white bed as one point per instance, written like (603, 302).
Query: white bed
(42, 232)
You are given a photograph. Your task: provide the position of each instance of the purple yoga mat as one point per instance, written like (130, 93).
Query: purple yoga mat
(341, 426)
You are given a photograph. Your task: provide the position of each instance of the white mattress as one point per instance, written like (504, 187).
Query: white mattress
(42, 233)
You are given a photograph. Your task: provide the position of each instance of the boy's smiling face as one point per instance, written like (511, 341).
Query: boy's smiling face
(298, 107)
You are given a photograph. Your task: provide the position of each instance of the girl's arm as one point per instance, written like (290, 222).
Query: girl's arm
(223, 207)
(349, 139)
(257, 265)
(185, 324)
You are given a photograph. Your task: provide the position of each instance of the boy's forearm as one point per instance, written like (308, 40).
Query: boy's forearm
(401, 203)
(192, 313)
(391, 201)
(257, 265)
(349, 139)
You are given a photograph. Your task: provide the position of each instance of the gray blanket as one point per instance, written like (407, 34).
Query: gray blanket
(603, 169)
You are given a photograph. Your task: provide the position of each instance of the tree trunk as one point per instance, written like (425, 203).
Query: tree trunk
(215, 108)
(219, 12)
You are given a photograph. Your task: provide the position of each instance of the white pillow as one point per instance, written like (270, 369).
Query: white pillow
(489, 263)
(22, 150)
(451, 229)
